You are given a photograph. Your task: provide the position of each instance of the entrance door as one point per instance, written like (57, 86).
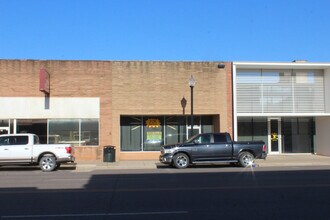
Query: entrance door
(274, 136)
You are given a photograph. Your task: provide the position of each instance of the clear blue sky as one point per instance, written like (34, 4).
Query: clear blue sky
(170, 30)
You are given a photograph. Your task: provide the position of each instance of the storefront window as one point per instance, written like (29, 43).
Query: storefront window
(207, 124)
(90, 132)
(64, 131)
(34, 126)
(252, 129)
(79, 132)
(153, 133)
(130, 133)
(4, 122)
(175, 129)
(297, 135)
(4, 126)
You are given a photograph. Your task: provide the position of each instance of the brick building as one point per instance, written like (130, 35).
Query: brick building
(135, 106)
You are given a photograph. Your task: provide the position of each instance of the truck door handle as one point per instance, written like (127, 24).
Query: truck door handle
(26, 148)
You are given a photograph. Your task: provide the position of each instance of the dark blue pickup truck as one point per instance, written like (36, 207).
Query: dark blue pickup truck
(212, 148)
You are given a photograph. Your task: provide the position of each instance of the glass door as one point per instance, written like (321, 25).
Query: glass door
(274, 135)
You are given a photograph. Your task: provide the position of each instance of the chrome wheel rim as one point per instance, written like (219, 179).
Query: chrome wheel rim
(247, 160)
(48, 164)
(182, 161)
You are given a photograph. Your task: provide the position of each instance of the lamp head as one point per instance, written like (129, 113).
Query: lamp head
(192, 81)
(221, 65)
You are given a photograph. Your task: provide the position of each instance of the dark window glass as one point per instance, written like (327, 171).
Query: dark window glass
(205, 138)
(21, 140)
(64, 131)
(297, 135)
(175, 129)
(207, 124)
(4, 141)
(130, 135)
(14, 140)
(4, 123)
(90, 132)
(252, 129)
(220, 138)
(148, 133)
(34, 126)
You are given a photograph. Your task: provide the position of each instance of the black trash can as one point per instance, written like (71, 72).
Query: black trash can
(109, 154)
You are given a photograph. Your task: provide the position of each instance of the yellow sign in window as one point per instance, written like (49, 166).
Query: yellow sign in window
(274, 136)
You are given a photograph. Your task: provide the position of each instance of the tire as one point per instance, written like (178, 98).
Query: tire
(181, 161)
(48, 163)
(246, 159)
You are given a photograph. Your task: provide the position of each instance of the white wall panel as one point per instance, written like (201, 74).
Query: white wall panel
(38, 108)
(322, 137)
(327, 90)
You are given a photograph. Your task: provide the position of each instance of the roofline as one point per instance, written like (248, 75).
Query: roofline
(281, 65)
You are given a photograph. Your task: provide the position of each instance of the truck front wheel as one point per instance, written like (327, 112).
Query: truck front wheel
(246, 159)
(48, 163)
(181, 161)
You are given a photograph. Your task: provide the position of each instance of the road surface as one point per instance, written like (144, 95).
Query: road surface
(202, 193)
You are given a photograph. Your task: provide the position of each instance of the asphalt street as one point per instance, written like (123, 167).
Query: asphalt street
(203, 193)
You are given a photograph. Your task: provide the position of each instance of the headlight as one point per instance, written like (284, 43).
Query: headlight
(168, 151)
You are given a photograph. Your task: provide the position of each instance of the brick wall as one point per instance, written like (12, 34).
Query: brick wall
(126, 88)
(156, 88)
(20, 78)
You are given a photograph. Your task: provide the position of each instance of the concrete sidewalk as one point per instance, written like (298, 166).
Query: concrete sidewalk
(294, 160)
(287, 160)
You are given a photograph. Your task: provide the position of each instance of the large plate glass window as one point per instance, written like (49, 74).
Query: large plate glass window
(79, 132)
(34, 126)
(149, 133)
(4, 126)
(153, 133)
(298, 135)
(64, 131)
(175, 129)
(130, 133)
(90, 131)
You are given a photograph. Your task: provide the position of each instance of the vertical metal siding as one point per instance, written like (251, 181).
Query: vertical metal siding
(287, 91)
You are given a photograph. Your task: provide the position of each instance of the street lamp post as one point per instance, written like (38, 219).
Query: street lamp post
(192, 83)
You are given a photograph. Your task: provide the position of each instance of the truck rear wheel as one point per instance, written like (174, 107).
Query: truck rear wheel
(181, 161)
(246, 159)
(47, 163)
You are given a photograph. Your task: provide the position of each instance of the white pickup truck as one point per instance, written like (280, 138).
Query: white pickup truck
(25, 149)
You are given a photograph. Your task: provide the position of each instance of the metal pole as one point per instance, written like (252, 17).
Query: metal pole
(192, 111)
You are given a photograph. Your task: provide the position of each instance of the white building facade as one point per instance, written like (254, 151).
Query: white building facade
(287, 105)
